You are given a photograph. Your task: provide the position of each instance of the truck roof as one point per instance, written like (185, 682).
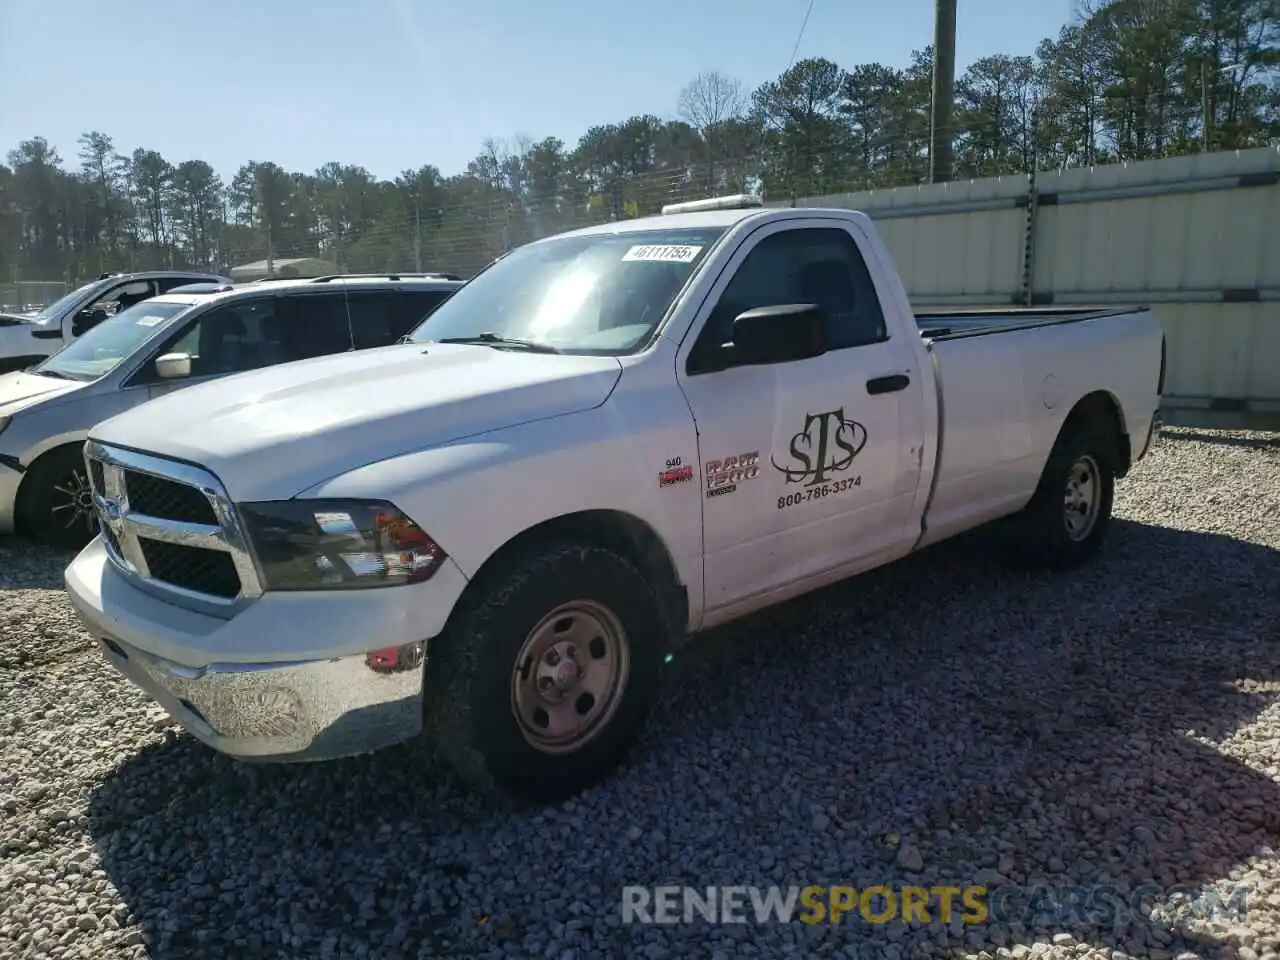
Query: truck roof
(705, 218)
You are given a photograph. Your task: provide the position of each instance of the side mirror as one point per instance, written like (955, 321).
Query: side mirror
(790, 331)
(173, 366)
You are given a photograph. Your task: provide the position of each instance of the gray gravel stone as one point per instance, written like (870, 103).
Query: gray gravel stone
(941, 722)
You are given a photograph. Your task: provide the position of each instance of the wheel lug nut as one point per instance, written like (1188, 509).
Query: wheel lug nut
(544, 683)
(552, 657)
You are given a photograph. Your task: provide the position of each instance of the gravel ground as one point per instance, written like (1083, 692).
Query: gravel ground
(942, 721)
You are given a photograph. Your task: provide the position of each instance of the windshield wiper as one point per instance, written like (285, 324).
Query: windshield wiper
(53, 373)
(494, 340)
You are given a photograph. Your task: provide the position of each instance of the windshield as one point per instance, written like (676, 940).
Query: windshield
(108, 344)
(599, 294)
(59, 306)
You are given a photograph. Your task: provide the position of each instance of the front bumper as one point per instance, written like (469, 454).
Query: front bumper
(295, 706)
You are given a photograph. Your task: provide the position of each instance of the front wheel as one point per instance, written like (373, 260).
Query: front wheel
(538, 686)
(1067, 519)
(56, 501)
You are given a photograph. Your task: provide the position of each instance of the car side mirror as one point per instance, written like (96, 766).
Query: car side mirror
(173, 366)
(779, 334)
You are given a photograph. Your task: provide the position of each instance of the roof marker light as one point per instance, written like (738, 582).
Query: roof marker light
(739, 201)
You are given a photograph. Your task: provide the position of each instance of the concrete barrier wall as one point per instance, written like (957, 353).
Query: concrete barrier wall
(1197, 238)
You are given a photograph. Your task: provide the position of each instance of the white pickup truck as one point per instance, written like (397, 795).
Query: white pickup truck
(606, 441)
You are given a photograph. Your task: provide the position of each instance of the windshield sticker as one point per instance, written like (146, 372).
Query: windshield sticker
(150, 320)
(663, 253)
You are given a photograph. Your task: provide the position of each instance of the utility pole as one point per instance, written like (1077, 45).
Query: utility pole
(944, 83)
(1205, 118)
(417, 229)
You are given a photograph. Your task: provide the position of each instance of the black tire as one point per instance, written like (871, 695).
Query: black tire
(1043, 534)
(54, 508)
(470, 697)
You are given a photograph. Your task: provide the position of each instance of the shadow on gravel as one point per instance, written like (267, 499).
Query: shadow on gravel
(28, 566)
(1009, 729)
(1265, 442)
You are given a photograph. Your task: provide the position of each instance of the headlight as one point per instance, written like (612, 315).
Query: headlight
(338, 544)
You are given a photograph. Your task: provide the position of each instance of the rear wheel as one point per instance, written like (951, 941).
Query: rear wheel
(1068, 517)
(538, 686)
(56, 501)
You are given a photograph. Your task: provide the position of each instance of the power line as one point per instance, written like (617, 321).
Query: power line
(795, 47)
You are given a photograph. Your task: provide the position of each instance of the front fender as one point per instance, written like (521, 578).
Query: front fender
(475, 495)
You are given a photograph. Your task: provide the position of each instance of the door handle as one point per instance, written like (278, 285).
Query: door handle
(890, 384)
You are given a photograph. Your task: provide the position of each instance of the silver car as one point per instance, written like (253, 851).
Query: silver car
(163, 344)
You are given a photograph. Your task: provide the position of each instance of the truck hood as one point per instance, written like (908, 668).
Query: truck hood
(20, 390)
(272, 433)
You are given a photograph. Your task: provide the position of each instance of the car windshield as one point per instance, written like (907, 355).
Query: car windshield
(112, 341)
(59, 306)
(602, 293)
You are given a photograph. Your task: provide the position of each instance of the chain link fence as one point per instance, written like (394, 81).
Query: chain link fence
(29, 295)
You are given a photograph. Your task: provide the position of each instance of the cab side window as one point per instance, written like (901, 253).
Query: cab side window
(818, 265)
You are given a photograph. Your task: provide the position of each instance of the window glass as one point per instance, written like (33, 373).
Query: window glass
(249, 334)
(318, 326)
(822, 266)
(56, 309)
(112, 341)
(372, 315)
(599, 293)
(414, 306)
(124, 296)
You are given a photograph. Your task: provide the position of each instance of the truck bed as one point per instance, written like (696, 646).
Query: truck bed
(980, 321)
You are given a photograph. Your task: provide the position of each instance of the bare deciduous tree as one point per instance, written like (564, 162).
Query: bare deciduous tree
(708, 103)
(709, 99)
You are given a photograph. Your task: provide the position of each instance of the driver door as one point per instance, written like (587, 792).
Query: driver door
(810, 465)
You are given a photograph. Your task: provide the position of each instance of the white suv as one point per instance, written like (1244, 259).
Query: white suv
(25, 341)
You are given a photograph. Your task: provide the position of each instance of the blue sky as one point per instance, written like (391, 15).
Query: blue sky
(393, 84)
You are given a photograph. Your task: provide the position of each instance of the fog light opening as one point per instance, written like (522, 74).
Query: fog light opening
(395, 659)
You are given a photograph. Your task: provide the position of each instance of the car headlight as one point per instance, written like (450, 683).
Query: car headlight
(338, 544)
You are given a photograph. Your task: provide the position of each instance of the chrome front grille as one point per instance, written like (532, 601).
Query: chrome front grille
(171, 528)
(167, 499)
